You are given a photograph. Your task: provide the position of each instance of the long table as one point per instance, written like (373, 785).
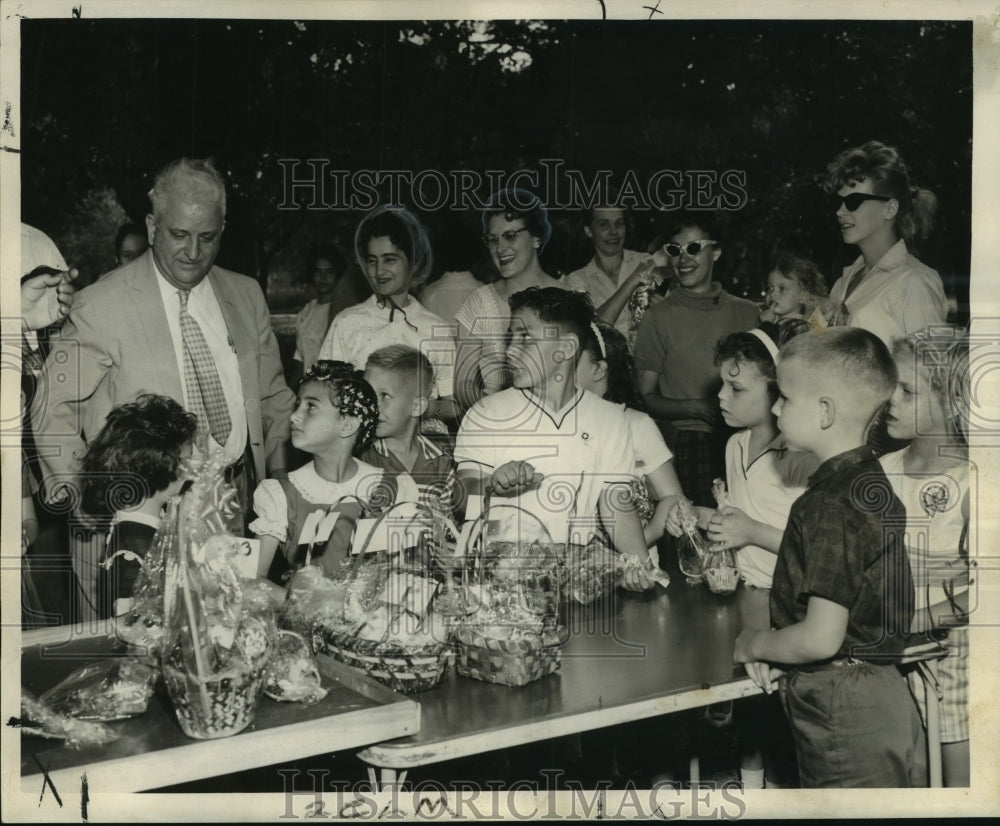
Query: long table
(152, 751)
(629, 657)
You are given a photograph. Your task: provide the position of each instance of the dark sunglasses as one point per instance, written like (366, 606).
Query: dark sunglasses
(692, 248)
(856, 199)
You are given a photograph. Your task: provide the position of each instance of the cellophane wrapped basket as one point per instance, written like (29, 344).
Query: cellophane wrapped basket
(379, 614)
(701, 560)
(511, 635)
(218, 630)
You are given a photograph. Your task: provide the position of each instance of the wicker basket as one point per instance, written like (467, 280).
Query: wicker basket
(233, 697)
(406, 670)
(509, 662)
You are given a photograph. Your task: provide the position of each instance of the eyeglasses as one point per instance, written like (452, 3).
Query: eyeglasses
(691, 248)
(856, 199)
(492, 241)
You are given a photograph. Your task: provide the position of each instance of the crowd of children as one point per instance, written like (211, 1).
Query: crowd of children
(825, 531)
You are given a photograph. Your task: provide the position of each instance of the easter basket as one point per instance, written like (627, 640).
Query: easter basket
(218, 629)
(387, 626)
(511, 635)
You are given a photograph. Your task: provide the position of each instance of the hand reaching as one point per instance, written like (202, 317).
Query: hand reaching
(47, 299)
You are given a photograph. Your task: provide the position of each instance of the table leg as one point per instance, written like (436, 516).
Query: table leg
(386, 778)
(694, 769)
(928, 670)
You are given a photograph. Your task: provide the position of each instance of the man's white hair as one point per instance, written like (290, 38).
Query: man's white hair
(195, 174)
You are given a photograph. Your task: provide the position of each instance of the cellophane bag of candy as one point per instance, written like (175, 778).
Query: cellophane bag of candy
(108, 690)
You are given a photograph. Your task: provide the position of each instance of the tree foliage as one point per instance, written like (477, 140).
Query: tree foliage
(105, 102)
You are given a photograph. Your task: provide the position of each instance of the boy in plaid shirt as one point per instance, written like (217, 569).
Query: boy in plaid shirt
(402, 378)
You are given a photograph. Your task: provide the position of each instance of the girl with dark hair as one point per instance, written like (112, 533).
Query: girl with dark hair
(516, 229)
(605, 368)
(129, 472)
(887, 290)
(334, 292)
(335, 419)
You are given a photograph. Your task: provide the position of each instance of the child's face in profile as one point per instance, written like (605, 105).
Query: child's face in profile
(397, 396)
(315, 421)
(916, 408)
(798, 408)
(784, 295)
(592, 373)
(536, 350)
(743, 399)
(184, 471)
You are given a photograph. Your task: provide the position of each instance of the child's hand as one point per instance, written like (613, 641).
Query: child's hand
(763, 675)
(730, 527)
(514, 477)
(637, 576)
(705, 516)
(673, 522)
(742, 652)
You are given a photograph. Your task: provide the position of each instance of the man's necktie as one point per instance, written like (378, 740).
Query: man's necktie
(201, 378)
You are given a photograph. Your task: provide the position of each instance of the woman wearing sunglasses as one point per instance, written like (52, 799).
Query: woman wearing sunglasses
(887, 290)
(675, 349)
(516, 229)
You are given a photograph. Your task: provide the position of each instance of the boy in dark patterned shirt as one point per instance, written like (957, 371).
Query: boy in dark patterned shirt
(842, 599)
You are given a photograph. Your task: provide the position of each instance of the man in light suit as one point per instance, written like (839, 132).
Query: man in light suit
(123, 337)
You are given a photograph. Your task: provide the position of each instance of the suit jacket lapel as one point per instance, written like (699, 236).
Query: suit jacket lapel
(236, 313)
(152, 319)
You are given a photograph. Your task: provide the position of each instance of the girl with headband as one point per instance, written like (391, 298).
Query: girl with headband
(335, 419)
(764, 477)
(605, 369)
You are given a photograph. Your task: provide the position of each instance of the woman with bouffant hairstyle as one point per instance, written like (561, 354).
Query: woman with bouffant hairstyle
(887, 290)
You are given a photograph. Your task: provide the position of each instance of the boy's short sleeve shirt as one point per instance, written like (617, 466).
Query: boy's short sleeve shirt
(579, 450)
(844, 543)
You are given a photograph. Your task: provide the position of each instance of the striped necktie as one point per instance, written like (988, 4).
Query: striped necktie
(201, 378)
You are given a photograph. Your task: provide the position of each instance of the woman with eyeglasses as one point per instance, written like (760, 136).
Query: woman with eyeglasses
(887, 290)
(675, 349)
(516, 229)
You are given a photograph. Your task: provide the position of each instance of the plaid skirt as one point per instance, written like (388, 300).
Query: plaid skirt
(953, 677)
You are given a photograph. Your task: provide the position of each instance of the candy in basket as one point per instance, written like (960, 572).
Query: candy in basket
(512, 635)
(218, 637)
(380, 615)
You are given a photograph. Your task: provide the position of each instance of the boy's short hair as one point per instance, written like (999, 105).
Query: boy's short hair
(398, 358)
(849, 360)
(136, 454)
(572, 311)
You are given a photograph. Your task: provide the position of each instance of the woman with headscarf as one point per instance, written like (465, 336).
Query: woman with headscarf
(392, 248)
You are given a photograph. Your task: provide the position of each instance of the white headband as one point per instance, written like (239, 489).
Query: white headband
(600, 340)
(765, 339)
